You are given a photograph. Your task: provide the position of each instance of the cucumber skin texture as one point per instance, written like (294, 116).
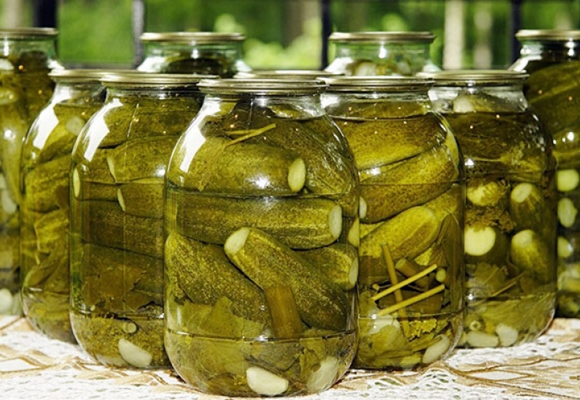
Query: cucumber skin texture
(205, 275)
(299, 223)
(268, 262)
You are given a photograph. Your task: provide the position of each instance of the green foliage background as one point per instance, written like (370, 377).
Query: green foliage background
(99, 32)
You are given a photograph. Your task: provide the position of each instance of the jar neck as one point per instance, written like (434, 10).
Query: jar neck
(31, 53)
(283, 106)
(481, 98)
(550, 50)
(170, 48)
(84, 91)
(136, 92)
(377, 51)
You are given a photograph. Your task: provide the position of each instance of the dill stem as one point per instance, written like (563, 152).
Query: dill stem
(407, 281)
(411, 300)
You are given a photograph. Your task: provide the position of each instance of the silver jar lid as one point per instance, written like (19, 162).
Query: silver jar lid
(382, 37)
(139, 79)
(378, 83)
(191, 38)
(557, 35)
(28, 33)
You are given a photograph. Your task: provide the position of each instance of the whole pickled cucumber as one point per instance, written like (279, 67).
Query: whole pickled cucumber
(268, 262)
(408, 183)
(338, 262)
(221, 166)
(385, 141)
(142, 198)
(532, 254)
(97, 171)
(141, 158)
(328, 172)
(43, 182)
(298, 222)
(106, 224)
(205, 275)
(141, 118)
(408, 235)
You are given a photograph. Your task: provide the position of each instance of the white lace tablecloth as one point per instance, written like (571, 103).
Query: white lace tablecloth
(34, 367)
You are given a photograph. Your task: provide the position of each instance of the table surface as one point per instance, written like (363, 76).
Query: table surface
(35, 367)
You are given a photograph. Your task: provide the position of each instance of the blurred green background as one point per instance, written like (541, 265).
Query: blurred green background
(288, 33)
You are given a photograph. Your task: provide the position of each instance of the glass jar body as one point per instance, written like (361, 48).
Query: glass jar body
(117, 181)
(193, 52)
(27, 57)
(261, 205)
(44, 212)
(552, 91)
(412, 188)
(510, 219)
(381, 53)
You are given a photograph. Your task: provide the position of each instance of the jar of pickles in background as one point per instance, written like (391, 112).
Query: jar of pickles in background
(27, 57)
(381, 53)
(510, 214)
(552, 59)
(44, 212)
(262, 236)
(411, 214)
(117, 182)
(207, 53)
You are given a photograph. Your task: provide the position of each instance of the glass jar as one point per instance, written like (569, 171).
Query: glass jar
(27, 57)
(510, 215)
(117, 182)
(412, 195)
(381, 53)
(552, 59)
(44, 211)
(193, 52)
(261, 260)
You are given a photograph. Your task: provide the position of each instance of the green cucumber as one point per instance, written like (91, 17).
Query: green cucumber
(106, 224)
(205, 275)
(408, 183)
(143, 198)
(41, 184)
(141, 158)
(338, 262)
(223, 166)
(268, 262)
(300, 223)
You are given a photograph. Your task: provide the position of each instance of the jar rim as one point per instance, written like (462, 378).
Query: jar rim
(559, 35)
(28, 33)
(192, 38)
(78, 74)
(262, 86)
(286, 74)
(378, 83)
(140, 79)
(475, 77)
(382, 37)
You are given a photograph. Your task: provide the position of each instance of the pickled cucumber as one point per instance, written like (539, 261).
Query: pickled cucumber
(268, 262)
(298, 222)
(383, 142)
(127, 162)
(205, 275)
(255, 169)
(408, 183)
(107, 225)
